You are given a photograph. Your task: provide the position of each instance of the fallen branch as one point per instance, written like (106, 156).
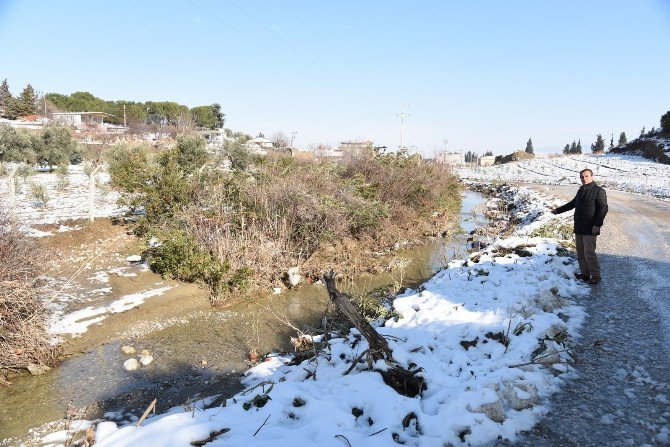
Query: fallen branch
(262, 425)
(401, 380)
(151, 406)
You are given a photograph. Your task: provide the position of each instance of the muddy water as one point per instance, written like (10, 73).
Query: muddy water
(195, 349)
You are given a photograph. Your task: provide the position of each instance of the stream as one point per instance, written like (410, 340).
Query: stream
(197, 351)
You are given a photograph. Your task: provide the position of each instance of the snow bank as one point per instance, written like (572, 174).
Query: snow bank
(66, 202)
(77, 322)
(488, 335)
(621, 172)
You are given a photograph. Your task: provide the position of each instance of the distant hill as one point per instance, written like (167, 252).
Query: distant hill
(654, 146)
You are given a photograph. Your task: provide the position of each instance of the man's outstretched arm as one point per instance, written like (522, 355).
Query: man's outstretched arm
(567, 207)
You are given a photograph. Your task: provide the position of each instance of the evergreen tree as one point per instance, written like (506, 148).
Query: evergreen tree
(665, 122)
(5, 98)
(26, 103)
(599, 145)
(622, 139)
(529, 147)
(612, 142)
(579, 146)
(566, 149)
(489, 153)
(573, 147)
(642, 132)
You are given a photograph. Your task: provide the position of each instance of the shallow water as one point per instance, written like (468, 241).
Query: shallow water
(202, 351)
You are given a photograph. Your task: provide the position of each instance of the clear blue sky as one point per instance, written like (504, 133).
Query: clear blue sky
(481, 74)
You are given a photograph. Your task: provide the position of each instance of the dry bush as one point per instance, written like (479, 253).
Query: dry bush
(23, 336)
(235, 230)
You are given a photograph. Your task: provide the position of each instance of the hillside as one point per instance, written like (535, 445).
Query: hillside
(654, 146)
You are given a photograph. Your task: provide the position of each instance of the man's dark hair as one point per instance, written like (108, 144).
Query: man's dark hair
(584, 170)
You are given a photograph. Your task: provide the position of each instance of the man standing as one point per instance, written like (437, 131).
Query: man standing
(590, 206)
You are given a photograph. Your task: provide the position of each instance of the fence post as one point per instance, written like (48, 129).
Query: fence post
(91, 195)
(12, 192)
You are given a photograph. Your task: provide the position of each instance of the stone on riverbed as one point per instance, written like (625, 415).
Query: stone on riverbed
(293, 276)
(146, 359)
(134, 258)
(131, 365)
(36, 370)
(128, 350)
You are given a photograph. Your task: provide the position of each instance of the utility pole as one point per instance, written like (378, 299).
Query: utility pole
(402, 125)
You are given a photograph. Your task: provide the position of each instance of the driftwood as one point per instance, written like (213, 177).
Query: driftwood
(405, 382)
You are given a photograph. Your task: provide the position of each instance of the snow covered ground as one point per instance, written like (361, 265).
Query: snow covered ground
(488, 335)
(622, 172)
(67, 200)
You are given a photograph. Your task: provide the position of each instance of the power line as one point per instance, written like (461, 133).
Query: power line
(332, 47)
(303, 55)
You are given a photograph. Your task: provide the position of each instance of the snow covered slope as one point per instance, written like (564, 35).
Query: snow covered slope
(621, 172)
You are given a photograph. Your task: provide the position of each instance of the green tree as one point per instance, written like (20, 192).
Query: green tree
(642, 132)
(622, 139)
(665, 122)
(58, 147)
(579, 147)
(573, 147)
(529, 147)
(612, 142)
(26, 103)
(488, 153)
(566, 149)
(15, 145)
(599, 145)
(5, 99)
(189, 154)
(209, 117)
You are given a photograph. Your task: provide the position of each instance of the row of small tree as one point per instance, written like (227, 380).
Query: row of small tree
(52, 146)
(23, 105)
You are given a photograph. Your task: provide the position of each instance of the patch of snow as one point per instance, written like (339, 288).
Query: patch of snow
(77, 322)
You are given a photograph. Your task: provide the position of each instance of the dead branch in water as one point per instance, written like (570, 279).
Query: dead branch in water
(405, 382)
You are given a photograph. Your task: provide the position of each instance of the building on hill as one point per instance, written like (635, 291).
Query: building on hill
(80, 118)
(259, 145)
(356, 147)
(214, 138)
(450, 158)
(487, 160)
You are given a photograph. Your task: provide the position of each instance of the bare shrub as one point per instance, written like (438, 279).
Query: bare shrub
(23, 336)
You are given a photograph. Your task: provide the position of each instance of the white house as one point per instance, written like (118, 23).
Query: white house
(451, 158)
(487, 160)
(77, 118)
(259, 145)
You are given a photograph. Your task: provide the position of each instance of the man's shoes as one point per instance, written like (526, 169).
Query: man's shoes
(594, 280)
(582, 277)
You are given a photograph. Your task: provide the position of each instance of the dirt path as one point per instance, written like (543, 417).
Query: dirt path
(622, 394)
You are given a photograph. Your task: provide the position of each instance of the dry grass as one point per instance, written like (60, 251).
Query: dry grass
(23, 336)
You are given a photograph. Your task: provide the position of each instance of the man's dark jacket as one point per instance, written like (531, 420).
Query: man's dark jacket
(590, 206)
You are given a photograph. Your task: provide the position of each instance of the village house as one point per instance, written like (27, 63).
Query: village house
(450, 158)
(259, 145)
(487, 160)
(356, 147)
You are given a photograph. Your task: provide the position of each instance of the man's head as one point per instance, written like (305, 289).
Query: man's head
(586, 176)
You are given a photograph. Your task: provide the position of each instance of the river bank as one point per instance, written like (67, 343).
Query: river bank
(491, 334)
(196, 350)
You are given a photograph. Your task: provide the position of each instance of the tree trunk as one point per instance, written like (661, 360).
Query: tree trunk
(403, 381)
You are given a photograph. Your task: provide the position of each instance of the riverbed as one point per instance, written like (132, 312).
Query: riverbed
(197, 351)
